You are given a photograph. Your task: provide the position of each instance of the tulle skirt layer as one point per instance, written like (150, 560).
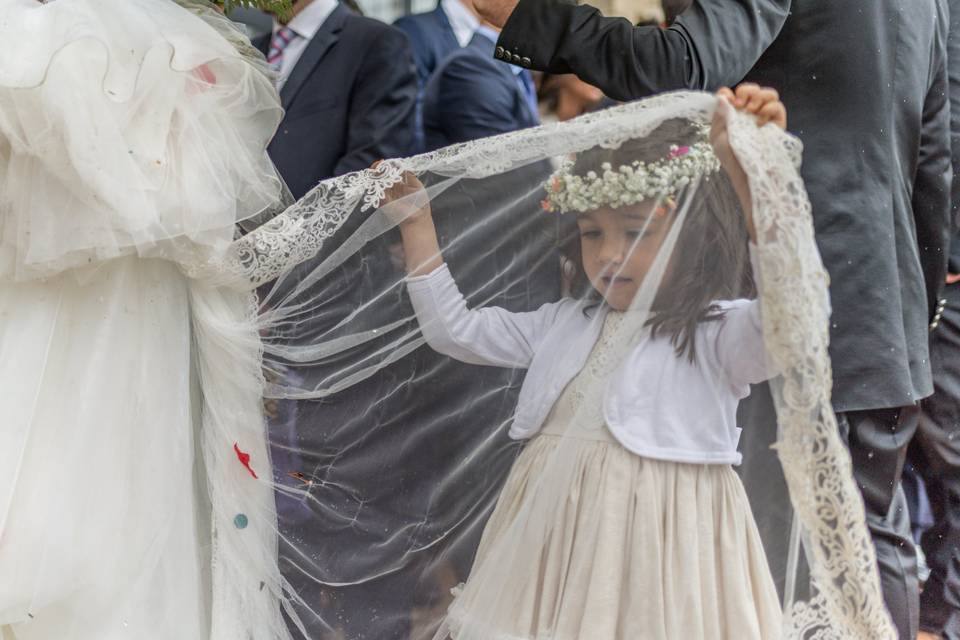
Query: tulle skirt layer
(127, 127)
(103, 532)
(631, 548)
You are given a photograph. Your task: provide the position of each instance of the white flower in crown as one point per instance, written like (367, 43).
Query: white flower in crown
(629, 184)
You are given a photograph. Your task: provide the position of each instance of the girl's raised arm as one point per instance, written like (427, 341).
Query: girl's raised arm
(762, 102)
(486, 336)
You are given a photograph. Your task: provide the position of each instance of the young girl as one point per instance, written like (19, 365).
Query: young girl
(644, 530)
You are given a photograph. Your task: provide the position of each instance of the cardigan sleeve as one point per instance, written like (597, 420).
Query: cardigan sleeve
(739, 345)
(486, 336)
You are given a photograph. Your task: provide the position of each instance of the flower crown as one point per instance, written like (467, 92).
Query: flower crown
(631, 183)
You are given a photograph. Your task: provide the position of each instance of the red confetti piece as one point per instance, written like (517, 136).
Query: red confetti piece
(244, 459)
(296, 475)
(206, 74)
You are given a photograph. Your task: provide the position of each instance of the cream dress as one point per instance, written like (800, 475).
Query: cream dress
(629, 548)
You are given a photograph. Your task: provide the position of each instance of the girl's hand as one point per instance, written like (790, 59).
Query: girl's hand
(406, 202)
(763, 102)
(408, 205)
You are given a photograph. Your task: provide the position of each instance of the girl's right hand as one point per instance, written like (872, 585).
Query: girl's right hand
(408, 205)
(406, 202)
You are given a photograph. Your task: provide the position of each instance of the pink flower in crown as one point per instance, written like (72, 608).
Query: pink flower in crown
(546, 205)
(555, 184)
(679, 152)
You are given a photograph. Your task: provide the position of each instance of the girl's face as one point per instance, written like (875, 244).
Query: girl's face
(618, 247)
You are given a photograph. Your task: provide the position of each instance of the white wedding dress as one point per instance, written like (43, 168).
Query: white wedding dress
(132, 139)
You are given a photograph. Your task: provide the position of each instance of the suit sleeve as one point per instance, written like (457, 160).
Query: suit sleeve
(713, 43)
(932, 185)
(382, 104)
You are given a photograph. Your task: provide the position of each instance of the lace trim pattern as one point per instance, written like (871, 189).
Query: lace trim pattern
(847, 601)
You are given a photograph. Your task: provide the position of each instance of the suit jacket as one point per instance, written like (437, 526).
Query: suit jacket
(349, 101)
(865, 84)
(471, 96)
(953, 69)
(432, 39)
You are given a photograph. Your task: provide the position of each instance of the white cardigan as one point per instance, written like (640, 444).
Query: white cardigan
(657, 405)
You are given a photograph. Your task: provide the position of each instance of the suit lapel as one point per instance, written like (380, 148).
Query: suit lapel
(318, 47)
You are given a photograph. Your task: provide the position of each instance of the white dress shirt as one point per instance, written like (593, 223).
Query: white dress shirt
(656, 404)
(305, 24)
(462, 20)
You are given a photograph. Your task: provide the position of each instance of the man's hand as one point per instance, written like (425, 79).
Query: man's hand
(496, 12)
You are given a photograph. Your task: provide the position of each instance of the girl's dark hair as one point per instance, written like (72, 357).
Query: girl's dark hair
(709, 261)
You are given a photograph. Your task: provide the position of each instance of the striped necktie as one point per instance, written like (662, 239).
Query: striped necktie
(281, 40)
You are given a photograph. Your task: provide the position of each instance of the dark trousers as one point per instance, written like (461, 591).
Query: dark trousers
(878, 441)
(935, 454)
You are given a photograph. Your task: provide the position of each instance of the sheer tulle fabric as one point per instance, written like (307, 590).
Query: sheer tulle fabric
(390, 457)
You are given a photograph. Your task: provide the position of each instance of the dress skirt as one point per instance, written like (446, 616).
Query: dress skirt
(625, 548)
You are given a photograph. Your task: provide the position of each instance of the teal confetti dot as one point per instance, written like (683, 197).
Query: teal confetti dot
(240, 521)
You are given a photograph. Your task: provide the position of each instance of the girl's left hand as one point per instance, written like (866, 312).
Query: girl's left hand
(762, 102)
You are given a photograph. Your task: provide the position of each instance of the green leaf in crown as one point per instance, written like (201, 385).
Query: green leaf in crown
(280, 7)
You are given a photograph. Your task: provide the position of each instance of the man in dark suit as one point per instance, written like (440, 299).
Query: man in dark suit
(434, 36)
(471, 96)
(865, 84)
(935, 451)
(348, 86)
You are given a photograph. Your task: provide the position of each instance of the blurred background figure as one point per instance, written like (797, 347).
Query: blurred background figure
(639, 12)
(565, 96)
(434, 35)
(349, 88)
(256, 23)
(472, 95)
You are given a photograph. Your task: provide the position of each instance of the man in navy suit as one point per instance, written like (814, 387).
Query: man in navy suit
(434, 36)
(348, 86)
(471, 95)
